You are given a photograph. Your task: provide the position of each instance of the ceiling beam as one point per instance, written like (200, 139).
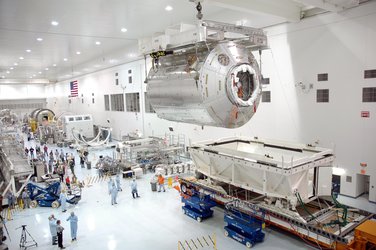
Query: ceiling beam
(326, 5)
(286, 9)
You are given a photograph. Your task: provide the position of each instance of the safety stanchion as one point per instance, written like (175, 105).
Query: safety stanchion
(169, 182)
(9, 214)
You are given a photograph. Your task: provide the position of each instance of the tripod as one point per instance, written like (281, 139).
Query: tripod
(23, 241)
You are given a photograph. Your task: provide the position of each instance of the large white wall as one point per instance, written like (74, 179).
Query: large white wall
(342, 45)
(21, 91)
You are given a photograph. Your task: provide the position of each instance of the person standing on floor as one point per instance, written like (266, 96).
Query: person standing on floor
(53, 225)
(63, 201)
(118, 183)
(62, 155)
(161, 183)
(59, 230)
(67, 182)
(45, 150)
(114, 192)
(11, 199)
(109, 184)
(56, 154)
(73, 225)
(25, 198)
(26, 152)
(134, 188)
(31, 152)
(71, 164)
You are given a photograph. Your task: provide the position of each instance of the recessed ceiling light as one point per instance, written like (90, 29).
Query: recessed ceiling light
(15, 64)
(8, 72)
(46, 68)
(98, 43)
(40, 72)
(3, 77)
(39, 39)
(28, 50)
(11, 68)
(169, 8)
(54, 65)
(78, 53)
(54, 23)
(123, 30)
(31, 77)
(65, 59)
(34, 75)
(21, 58)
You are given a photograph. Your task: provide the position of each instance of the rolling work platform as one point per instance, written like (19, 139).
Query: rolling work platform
(243, 227)
(198, 206)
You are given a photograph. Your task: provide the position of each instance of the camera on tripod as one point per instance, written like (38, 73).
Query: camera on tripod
(23, 241)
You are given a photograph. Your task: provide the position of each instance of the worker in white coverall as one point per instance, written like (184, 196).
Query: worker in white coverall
(114, 192)
(63, 201)
(118, 182)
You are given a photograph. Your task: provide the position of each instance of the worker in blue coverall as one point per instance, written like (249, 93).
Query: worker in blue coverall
(114, 192)
(73, 225)
(52, 223)
(110, 183)
(63, 201)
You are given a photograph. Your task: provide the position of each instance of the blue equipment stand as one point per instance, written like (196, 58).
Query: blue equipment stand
(198, 206)
(243, 228)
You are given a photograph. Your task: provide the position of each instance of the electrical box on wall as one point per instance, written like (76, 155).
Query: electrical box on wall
(364, 114)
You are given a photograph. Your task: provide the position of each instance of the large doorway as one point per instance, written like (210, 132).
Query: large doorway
(363, 184)
(336, 184)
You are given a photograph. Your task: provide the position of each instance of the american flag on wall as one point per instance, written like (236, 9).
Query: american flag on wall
(74, 88)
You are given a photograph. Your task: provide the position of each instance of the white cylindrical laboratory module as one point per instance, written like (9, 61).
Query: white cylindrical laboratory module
(218, 86)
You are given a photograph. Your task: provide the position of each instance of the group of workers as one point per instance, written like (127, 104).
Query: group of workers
(114, 187)
(57, 229)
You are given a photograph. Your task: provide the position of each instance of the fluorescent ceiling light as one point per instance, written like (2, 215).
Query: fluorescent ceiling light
(46, 68)
(123, 30)
(8, 72)
(21, 58)
(54, 65)
(78, 53)
(54, 23)
(11, 68)
(15, 64)
(39, 39)
(98, 43)
(65, 59)
(28, 50)
(169, 8)
(34, 75)
(3, 77)
(40, 72)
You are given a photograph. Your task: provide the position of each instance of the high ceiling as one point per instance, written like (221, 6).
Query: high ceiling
(88, 36)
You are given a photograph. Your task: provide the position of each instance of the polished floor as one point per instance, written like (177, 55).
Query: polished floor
(154, 221)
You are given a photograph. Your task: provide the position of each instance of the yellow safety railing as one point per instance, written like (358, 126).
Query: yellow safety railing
(202, 242)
